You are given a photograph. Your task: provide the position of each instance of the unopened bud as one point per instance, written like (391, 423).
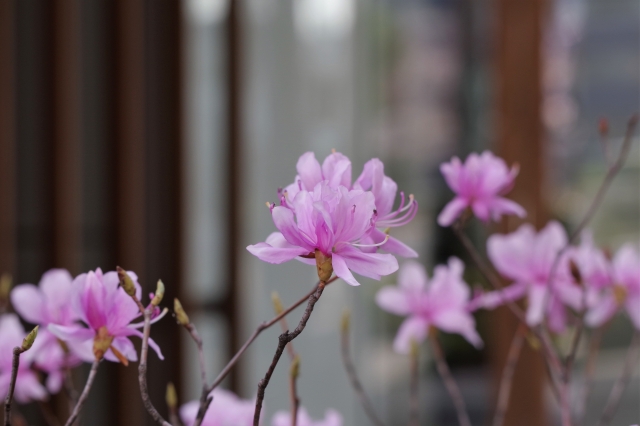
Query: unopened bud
(101, 342)
(346, 320)
(181, 315)
(171, 396)
(575, 271)
(126, 282)
(157, 297)
(5, 286)
(27, 342)
(294, 370)
(277, 303)
(324, 266)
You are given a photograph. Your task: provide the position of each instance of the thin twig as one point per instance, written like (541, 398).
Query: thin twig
(225, 371)
(205, 399)
(142, 367)
(284, 338)
(414, 414)
(618, 388)
(353, 376)
(294, 371)
(590, 368)
(84, 394)
(507, 375)
(12, 384)
(449, 381)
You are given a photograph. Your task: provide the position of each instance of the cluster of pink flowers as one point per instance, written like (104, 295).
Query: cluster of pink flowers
(227, 409)
(72, 315)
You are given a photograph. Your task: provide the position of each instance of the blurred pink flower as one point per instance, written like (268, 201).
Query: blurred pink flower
(333, 221)
(28, 387)
(442, 303)
(226, 409)
(336, 172)
(527, 257)
(479, 184)
(43, 305)
(624, 291)
(283, 418)
(105, 308)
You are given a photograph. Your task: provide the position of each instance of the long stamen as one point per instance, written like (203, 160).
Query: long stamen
(412, 209)
(386, 238)
(153, 321)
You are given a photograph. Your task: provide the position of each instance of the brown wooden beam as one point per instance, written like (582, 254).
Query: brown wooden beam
(520, 138)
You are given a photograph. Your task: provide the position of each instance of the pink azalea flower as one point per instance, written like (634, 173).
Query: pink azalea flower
(107, 311)
(441, 303)
(479, 184)
(333, 221)
(226, 409)
(336, 171)
(283, 418)
(43, 305)
(28, 388)
(624, 291)
(527, 257)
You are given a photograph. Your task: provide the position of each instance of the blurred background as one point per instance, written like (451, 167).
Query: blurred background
(150, 133)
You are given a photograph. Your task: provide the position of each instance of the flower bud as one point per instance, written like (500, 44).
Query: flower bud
(126, 282)
(101, 342)
(181, 315)
(27, 342)
(324, 266)
(294, 370)
(277, 303)
(346, 320)
(171, 396)
(157, 297)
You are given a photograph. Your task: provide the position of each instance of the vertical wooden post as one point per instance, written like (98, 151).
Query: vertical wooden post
(67, 116)
(7, 139)
(130, 171)
(520, 135)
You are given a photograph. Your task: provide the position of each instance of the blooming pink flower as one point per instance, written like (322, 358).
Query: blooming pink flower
(226, 409)
(283, 418)
(28, 387)
(107, 311)
(479, 184)
(333, 221)
(336, 172)
(624, 291)
(527, 257)
(442, 303)
(43, 305)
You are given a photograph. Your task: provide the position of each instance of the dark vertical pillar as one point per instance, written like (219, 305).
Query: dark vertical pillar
(67, 209)
(234, 111)
(7, 139)
(130, 174)
(520, 139)
(164, 135)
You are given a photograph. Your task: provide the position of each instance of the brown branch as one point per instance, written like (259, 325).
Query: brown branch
(353, 376)
(590, 369)
(507, 375)
(12, 384)
(205, 399)
(284, 338)
(414, 415)
(225, 371)
(85, 393)
(618, 388)
(294, 371)
(449, 381)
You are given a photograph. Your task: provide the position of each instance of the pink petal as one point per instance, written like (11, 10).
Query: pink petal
(493, 299)
(309, 170)
(535, 312)
(481, 210)
(92, 298)
(397, 247)
(502, 206)
(133, 332)
(412, 277)
(570, 294)
(511, 254)
(341, 270)
(336, 168)
(451, 172)
(451, 211)
(556, 316)
(28, 387)
(626, 264)
(460, 322)
(276, 249)
(602, 311)
(447, 286)
(54, 382)
(413, 328)
(28, 302)
(632, 304)
(125, 347)
(372, 265)
(56, 287)
(283, 218)
(394, 300)
(549, 241)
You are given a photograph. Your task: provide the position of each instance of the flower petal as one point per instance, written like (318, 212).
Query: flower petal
(341, 270)
(125, 347)
(451, 211)
(460, 322)
(309, 170)
(276, 249)
(536, 297)
(394, 300)
(27, 300)
(413, 328)
(372, 265)
(412, 277)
